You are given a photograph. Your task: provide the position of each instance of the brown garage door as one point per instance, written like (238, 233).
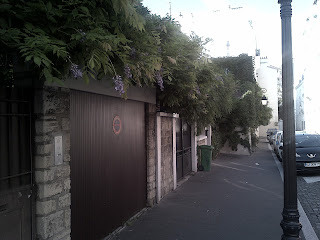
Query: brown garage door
(108, 163)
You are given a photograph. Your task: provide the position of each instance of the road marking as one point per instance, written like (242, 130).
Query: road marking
(215, 164)
(312, 179)
(247, 166)
(263, 189)
(236, 185)
(307, 228)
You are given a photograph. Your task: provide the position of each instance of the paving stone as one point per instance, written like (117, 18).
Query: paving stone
(309, 196)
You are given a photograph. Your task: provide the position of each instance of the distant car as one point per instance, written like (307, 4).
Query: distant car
(276, 142)
(270, 132)
(272, 137)
(280, 150)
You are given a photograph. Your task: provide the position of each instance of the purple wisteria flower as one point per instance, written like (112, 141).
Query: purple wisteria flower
(127, 71)
(75, 70)
(198, 90)
(83, 34)
(119, 86)
(159, 80)
(133, 53)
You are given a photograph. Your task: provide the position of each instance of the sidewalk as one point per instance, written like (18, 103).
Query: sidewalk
(241, 198)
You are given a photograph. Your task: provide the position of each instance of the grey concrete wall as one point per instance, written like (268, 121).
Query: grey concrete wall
(52, 118)
(166, 156)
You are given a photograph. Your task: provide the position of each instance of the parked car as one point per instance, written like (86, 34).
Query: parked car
(280, 150)
(307, 152)
(276, 142)
(270, 132)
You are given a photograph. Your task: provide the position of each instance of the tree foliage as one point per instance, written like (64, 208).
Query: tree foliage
(123, 41)
(248, 113)
(52, 36)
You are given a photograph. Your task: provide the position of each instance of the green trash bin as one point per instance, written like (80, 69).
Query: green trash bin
(206, 157)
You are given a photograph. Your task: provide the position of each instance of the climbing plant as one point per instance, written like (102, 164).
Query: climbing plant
(121, 40)
(55, 37)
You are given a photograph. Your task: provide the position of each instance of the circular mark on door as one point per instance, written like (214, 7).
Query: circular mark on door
(116, 125)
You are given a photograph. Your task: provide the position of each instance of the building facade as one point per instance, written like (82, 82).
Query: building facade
(268, 78)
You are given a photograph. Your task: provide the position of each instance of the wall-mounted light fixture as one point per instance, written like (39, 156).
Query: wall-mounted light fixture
(264, 100)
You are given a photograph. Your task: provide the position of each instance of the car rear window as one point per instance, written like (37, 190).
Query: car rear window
(307, 140)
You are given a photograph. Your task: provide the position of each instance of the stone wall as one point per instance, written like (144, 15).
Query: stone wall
(52, 118)
(151, 153)
(166, 156)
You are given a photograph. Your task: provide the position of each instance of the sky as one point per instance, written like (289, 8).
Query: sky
(245, 24)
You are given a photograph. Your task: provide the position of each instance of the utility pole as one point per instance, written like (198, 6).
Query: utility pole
(170, 9)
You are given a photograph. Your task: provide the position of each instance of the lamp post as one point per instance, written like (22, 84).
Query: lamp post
(290, 222)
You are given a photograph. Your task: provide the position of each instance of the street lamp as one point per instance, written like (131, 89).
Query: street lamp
(264, 100)
(290, 222)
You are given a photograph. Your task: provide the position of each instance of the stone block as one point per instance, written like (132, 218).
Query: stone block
(67, 218)
(50, 189)
(151, 178)
(44, 176)
(66, 141)
(46, 207)
(63, 171)
(151, 156)
(66, 157)
(151, 131)
(151, 202)
(48, 117)
(65, 124)
(67, 184)
(44, 149)
(50, 225)
(44, 162)
(151, 143)
(45, 127)
(151, 171)
(151, 186)
(56, 101)
(63, 235)
(64, 201)
(45, 139)
(151, 194)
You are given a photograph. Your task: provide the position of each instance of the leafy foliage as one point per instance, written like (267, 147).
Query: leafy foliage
(123, 41)
(52, 35)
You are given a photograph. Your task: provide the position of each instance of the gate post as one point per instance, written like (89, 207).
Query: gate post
(174, 150)
(158, 164)
(194, 158)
